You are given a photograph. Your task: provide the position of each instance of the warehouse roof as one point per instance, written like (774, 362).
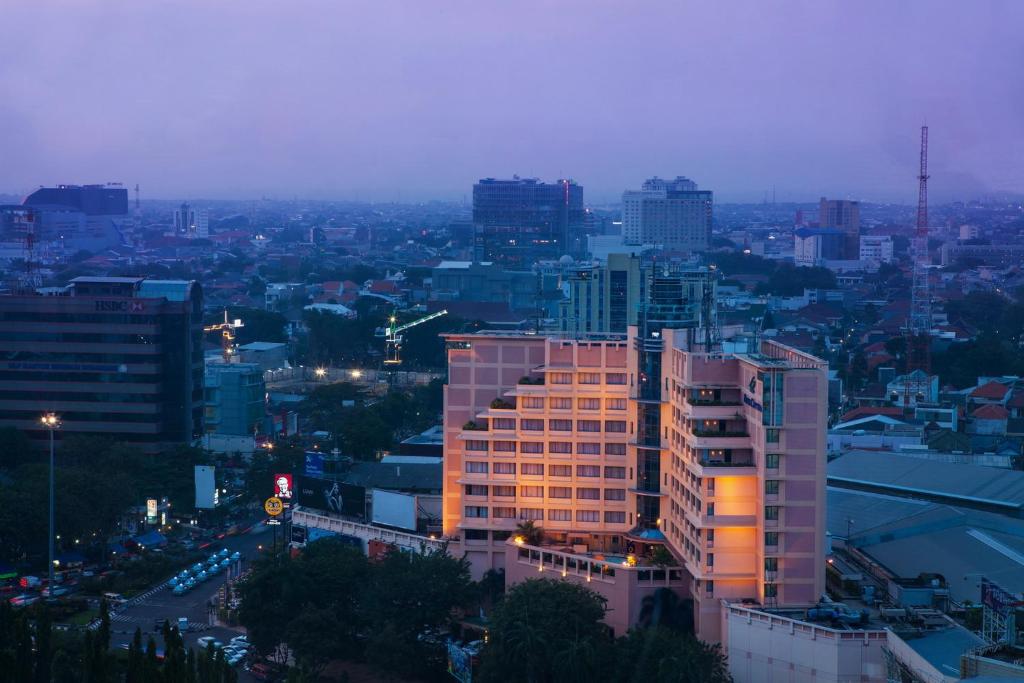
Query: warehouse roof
(970, 485)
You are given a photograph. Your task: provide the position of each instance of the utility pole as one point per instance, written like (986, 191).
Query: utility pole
(52, 423)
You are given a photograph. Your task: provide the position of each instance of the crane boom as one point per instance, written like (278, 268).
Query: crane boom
(394, 337)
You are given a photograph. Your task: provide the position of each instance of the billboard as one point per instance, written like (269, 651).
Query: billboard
(314, 464)
(460, 663)
(151, 510)
(206, 487)
(283, 487)
(394, 509)
(332, 496)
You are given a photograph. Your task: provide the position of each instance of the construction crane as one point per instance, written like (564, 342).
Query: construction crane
(917, 333)
(393, 336)
(227, 335)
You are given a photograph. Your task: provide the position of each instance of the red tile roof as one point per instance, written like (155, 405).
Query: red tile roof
(991, 412)
(992, 390)
(868, 411)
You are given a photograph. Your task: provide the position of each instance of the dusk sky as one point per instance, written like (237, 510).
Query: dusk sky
(415, 100)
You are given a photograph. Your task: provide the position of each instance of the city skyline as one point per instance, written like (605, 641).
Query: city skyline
(409, 103)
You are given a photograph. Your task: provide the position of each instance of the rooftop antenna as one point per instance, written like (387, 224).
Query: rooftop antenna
(919, 324)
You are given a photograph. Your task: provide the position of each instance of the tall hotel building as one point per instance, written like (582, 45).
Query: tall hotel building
(617, 445)
(115, 357)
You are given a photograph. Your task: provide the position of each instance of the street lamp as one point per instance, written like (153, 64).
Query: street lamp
(320, 372)
(356, 374)
(51, 422)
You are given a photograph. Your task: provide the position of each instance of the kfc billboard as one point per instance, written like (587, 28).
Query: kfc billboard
(283, 487)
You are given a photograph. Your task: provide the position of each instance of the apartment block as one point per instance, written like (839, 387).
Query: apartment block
(622, 445)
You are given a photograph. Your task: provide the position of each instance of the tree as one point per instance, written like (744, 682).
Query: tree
(313, 639)
(530, 532)
(662, 655)
(133, 673)
(547, 630)
(44, 651)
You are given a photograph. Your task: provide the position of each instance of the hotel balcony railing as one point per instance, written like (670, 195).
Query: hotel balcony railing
(741, 462)
(707, 433)
(694, 401)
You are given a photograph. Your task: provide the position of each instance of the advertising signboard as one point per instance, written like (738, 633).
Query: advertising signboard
(314, 464)
(283, 487)
(151, 511)
(332, 496)
(460, 663)
(206, 487)
(394, 509)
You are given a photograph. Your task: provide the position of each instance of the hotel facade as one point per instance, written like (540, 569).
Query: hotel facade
(619, 445)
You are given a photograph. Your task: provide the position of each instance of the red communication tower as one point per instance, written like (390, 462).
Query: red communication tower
(919, 322)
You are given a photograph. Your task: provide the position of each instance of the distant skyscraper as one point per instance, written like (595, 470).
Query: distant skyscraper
(117, 357)
(191, 222)
(842, 214)
(89, 217)
(672, 214)
(602, 298)
(522, 219)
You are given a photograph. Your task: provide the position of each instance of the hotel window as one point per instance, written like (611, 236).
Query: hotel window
(561, 403)
(560, 447)
(531, 446)
(531, 491)
(532, 425)
(588, 515)
(771, 487)
(560, 377)
(559, 470)
(711, 486)
(476, 445)
(614, 472)
(589, 404)
(615, 494)
(531, 513)
(771, 435)
(503, 423)
(559, 492)
(560, 425)
(771, 512)
(588, 425)
(588, 494)
(615, 403)
(711, 535)
(711, 509)
(504, 447)
(532, 469)
(771, 461)
(560, 515)
(771, 538)
(532, 401)
(476, 534)
(503, 491)
(588, 448)
(771, 564)
(503, 513)
(589, 377)
(476, 490)
(474, 467)
(615, 517)
(709, 587)
(615, 378)
(771, 590)
(615, 426)
(710, 558)
(615, 449)
(476, 511)
(504, 468)
(588, 471)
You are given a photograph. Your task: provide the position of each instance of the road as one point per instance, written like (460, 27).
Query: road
(159, 603)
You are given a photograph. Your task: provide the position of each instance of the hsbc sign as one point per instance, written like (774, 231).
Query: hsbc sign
(119, 306)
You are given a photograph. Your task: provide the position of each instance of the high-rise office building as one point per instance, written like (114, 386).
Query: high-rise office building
(235, 399)
(114, 357)
(672, 214)
(191, 222)
(90, 217)
(602, 298)
(842, 215)
(519, 220)
(623, 445)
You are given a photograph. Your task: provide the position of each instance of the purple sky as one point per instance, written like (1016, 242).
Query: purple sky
(416, 99)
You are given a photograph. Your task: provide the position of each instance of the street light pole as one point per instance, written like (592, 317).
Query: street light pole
(51, 422)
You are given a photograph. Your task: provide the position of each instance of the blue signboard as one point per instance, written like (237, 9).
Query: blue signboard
(314, 464)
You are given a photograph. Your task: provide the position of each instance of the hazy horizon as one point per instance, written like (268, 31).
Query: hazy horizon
(403, 101)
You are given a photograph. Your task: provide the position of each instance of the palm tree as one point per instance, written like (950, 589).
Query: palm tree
(530, 532)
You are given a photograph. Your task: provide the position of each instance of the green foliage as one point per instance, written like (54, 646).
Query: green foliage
(661, 655)
(331, 602)
(988, 354)
(787, 280)
(547, 630)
